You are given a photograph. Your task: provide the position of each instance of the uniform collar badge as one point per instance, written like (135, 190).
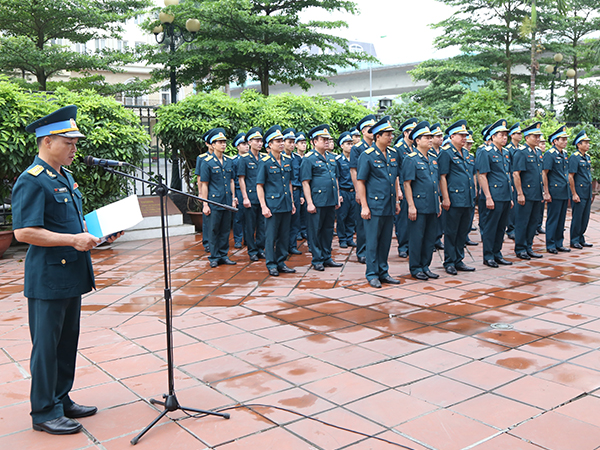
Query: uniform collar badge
(50, 173)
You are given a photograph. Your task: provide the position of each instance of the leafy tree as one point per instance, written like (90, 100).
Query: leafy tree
(585, 107)
(261, 40)
(31, 30)
(401, 111)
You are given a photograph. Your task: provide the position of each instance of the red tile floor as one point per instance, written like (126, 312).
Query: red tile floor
(421, 365)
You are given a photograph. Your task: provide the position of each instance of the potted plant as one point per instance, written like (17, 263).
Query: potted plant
(6, 231)
(194, 207)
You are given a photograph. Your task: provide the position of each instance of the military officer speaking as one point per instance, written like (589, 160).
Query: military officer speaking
(47, 215)
(321, 191)
(580, 182)
(274, 187)
(556, 190)
(529, 187)
(379, 193)
(458, 197)
(423, 198)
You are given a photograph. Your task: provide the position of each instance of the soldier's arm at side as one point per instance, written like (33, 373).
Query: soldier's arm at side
(412, 210)
(245, 199)
(310, 207)
(361, 196)
(576, 198)
(483, 182)
(518, 187)
(204, 190)
(41, 237)
(547, 196)
(445, 195)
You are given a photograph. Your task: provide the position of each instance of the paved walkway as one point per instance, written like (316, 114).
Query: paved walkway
(427, 365)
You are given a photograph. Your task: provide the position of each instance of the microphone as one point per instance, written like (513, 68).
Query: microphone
(91, 161)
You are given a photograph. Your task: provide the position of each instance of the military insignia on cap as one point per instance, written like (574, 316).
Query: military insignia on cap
(539, 125)
(503, 123)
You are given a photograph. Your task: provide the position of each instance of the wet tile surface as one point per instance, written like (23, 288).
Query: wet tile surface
(495, 359)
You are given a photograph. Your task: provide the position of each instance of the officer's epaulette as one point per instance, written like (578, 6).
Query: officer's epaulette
(576, 153)
(553, 150)
(370, 150)
(206, 156)
(245, 155)
(36, 170)
(308, 154)
(412, 154)
(209, 157)
(521, 147)
(392, 149)
(338, 156)
(265, 158)
(446, 147)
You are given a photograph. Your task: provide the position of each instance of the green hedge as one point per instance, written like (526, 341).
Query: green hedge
(112, 132)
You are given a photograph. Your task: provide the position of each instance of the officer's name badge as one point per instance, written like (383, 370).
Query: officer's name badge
(393, 160)
(63, 189)
(434, 162)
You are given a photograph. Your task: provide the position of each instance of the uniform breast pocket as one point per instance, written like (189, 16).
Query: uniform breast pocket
(274, 170)
(455, 190)
(378, 165)
(215, 170)
(64, 209)
(61, 261)
(421, 167)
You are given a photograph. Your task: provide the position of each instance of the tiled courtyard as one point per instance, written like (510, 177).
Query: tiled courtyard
(426, 365)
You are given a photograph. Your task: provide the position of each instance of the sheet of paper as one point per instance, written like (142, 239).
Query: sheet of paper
(117, 216)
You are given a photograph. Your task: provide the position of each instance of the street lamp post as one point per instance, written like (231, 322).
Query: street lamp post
(553, 69)
(176, 35)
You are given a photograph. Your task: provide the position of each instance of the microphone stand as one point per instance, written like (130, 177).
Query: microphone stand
(169, 402)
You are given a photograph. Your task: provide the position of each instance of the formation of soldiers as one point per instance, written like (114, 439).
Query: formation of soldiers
(426, 184)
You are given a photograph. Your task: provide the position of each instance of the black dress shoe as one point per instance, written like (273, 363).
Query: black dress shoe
(261, 255)
(577, 245)
(490, 263)
(227, 262)
(237, 245)
(352, 244)
(318, 267)
(563, 249)
(332, 263)
(362, 259)
(439, 246)
(503, 262)
(540, 230)
(552, 250)
(60, 425)
(470, 242)
(473, 228)
(253, 258)
(214, 264)
(420, 276)
(343, 245)
(462, 267)
(533, 254)
(374, 282)
(286, 269)
(295, 251)
(430, 274)
(511, 236)
(585, 244)
(450, 270)
(76, 411)
(274, 272)
(523, 255)
(403, 254)
(389, 280)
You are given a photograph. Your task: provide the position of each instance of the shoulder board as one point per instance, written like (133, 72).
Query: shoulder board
(229, 157)
(370, 150)
(446, 147)
(576, 153)
(209, 157)
(552, 150)
(308, 154)
(265, 158)
(338, 156)
(283, 155)
(245, 155)
(391, 149)
(36, 170)
(521, 146)
(412, 154)
(488, 148)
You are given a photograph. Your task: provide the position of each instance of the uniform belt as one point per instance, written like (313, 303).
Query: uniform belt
(296, 187)
(347, 189)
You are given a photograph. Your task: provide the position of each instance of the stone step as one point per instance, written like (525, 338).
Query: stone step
(149, 228)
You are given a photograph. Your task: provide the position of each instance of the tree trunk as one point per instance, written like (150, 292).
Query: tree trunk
(41, 79)
(575, 83)
(264, 82)
(532, 81)
(509, 81)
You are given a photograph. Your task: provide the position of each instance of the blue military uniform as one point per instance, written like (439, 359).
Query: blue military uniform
(516, 128)
(346, 214)
(218, 175)
(556, 167)
(321, 173)
(295, 223)
(580, 167)
(238, 217)
(470, 161)
(355, 152)
(528, 163)
(254, 227)
(401, 220)
(206, 239)
(436, 130)
(55, 277)
(275, 177)
(461, 192)
(300, 225)
(478, 153)
(422, 174)
(495, 164)
(379, 172)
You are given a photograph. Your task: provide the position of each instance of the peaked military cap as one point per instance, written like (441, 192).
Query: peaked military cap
(422, 129)
(581, 136)
(354, 131)
(516, 128)
(216, 134)
(409, 124)
(239, 139)
(470, 137)
(497, 127)
(273, 133)
(398, 139)
(321, 130)
(458, 127)
(561, 132)
(436, 129)
(383, 125)
(484, 132)
(366, 121)
(59, 123)
(254, 133)
(289, 133)
(344, 137)
(534, 128)
(300, 137)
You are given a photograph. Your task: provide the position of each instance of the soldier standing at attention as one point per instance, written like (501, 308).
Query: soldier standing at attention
(379, 193)
(515, 135)
(403, 146)
(297, 186)
(423, 198)
(321, 191)
(47, 215)
(289, 145)
(580, 181)
(556, 190)
(458, 193)
(364, 126)
(206, 238)
(527, 176)
(495, 194)
(434, 152)
(254, 231)
(541, 150)
(355, 136)
(240, 143)
(275, 195)
(216, 180)
(470, 160)
(346, 214)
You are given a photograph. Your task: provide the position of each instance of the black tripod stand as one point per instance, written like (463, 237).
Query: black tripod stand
(169, 402)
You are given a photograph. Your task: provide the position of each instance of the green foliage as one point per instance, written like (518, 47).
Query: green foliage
(180, 126)
(401, 111)
(261, 40)
(112, 132)
(30, 28)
